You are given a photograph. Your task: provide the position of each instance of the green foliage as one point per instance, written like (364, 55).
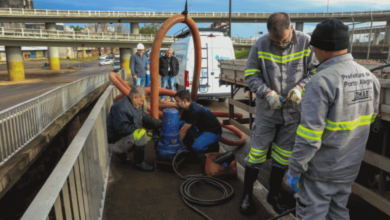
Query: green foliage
(77, 28)
(149, 28)
(241, 53)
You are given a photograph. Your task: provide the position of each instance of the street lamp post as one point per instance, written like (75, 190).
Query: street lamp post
(327, 9)
(230, 18)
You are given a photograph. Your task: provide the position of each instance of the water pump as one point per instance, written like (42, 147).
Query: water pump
(169, 143)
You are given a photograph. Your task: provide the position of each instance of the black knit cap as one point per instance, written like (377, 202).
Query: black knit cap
(330, 35)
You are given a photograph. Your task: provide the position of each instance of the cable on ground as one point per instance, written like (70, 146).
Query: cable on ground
(185, 189)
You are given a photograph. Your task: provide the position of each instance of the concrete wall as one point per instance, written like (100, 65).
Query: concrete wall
(32, 55)
(64, 52)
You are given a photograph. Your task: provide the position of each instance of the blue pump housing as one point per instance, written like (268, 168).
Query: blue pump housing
(169, 143)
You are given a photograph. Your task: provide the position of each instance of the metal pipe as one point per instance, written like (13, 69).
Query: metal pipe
(154, 58)
(369, 38)
(388, 55)
(230, 18)
(353, 33)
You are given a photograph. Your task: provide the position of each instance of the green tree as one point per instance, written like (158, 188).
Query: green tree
(149, 28)
(77, 28)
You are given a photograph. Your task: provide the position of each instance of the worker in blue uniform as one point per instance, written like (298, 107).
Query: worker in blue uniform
(200, 130)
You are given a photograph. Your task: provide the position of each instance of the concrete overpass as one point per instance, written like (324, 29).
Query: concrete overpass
(34, 37)
(51, 17)
(14, 38)
(367, 30)
(69, 16)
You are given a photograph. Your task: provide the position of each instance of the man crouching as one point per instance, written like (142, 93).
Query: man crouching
(126, 125)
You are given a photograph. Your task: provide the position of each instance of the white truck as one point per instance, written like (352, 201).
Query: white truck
(215, 47)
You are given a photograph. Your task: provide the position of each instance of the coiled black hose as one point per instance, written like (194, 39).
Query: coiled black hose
(185, 188)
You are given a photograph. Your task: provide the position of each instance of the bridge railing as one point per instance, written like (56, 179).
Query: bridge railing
(24, 32)
(23, 122)
(243, 41)
(76, 188)
(39, 33)
(78, 13)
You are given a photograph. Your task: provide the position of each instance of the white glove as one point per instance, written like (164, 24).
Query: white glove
(295, 94)
(274, 100)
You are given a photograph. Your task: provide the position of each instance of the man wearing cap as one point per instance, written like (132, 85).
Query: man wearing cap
(279, 65)
(126, 125)
(138, 65)
(338, 105)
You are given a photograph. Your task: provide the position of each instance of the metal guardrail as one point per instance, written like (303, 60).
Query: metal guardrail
(23, 122)
(243, 41)
(41, 33)
(76, 188)
(77, 35)
(380, 27)
(78, 13)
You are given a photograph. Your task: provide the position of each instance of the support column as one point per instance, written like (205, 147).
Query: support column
(54, 60)
(15, 63)
(299, 26)
(125, 54)
(387, 34)
(134, 28)
(376, 38)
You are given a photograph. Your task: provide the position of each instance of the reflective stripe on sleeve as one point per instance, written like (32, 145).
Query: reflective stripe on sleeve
(251, 72)
(308, 133)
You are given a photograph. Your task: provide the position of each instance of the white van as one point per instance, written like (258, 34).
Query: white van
(215, 46)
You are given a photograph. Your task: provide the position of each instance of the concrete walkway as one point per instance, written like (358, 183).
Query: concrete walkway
(132, 194)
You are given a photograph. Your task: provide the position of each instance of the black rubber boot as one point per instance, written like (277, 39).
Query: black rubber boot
(123, 157)
(139, 154)
(275, 185)
(247, 207)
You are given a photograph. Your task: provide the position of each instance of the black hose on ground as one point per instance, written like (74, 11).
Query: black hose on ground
(283, 214)
(185, 188)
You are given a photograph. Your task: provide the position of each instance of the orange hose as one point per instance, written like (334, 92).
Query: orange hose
(164, 104)
(119, 83)
(240, 142)
(154, 57)
(154, 106)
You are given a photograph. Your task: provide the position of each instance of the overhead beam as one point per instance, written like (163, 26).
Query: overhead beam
(10, 41)
(159, 19)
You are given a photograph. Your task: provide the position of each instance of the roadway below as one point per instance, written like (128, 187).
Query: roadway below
(14, 94)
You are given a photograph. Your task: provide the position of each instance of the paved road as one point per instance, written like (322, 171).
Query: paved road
(17, 93)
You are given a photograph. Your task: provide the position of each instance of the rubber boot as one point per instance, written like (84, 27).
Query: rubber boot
(247, 207)
(275, 185)
(139, 154)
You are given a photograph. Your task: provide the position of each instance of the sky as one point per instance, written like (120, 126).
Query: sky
(238, 29)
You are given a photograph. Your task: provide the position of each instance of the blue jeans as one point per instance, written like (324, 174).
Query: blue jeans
(140, 81)
(203, 142)
(170, 80)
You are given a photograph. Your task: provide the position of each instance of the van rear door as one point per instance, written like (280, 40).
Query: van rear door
(220, 51)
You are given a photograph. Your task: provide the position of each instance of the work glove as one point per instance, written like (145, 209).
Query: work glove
(274, 100)
(295, 94)
(150, 135)
(292, 181)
